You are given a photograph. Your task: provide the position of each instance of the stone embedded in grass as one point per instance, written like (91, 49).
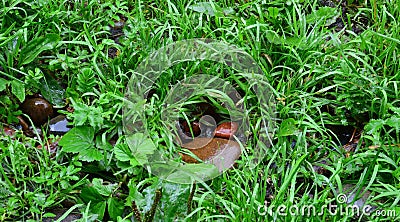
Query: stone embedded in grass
(226, 130)
(59, 125)
(38, 109)
(195, 128)
(8, 131)
(221, 152)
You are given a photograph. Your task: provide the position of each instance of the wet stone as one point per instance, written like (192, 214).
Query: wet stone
(38, 109)
(221, 152)
(59, 125)
(226, 130)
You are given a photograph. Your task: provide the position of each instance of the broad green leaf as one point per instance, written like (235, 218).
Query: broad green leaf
(47, 215)
(149, 194)
(18, 89)
(141, 146)
(174, 195)
(78, 139)
(52, 91)
(173, 201)
(294, 41)
(91, 154)
(101, 188)
(122, 152)
(99, 208)
(115, 208)
(3, 84)
(36, 46)
(288, 127)
(89, 193)
(273, 37)
(193, 172)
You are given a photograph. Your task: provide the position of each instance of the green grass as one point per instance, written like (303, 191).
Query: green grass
(321, 78)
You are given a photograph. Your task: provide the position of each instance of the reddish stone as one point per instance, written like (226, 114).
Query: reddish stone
(226, 130)
(221, 152)
(8, 131)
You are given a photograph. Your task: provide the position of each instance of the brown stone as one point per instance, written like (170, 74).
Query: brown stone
(226, 130)
(38, 109)
(221, 152)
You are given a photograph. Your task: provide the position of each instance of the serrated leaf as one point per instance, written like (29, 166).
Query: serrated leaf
(3, 84)
(86, 80)
(91, 154)
(122, 152)
(18, 90)
(141, 146)
(79, 115)
(101, 188)
(84, 113)
(78, 139)
(99, 208)
(134, 195)
(393, 122)
(52, 91)
(115, 208)
(95, 116)
(89, 193)
(395, 109)
(36, 46)
(374, 125)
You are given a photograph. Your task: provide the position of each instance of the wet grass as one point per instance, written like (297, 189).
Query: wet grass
(331, 69)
